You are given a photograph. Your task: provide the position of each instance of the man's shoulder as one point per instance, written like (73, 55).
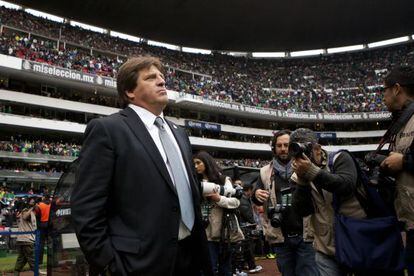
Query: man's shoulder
(112, 119)
(341, 157)
(266, 167)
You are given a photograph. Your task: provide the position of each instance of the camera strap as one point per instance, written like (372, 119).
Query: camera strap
(396, 125)
(272, 200)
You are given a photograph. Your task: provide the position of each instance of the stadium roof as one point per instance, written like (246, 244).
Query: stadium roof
(244, 25)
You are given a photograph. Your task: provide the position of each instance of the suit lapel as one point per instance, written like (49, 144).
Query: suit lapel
(140, 131)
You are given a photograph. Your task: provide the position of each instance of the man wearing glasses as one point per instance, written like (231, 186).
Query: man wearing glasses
(398, 97)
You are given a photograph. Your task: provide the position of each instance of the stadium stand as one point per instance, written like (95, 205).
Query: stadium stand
(42, 118)
(335, 83)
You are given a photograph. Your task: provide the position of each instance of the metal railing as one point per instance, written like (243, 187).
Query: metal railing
(9, 234)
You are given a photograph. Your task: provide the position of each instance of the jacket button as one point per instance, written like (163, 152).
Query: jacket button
(175, 209)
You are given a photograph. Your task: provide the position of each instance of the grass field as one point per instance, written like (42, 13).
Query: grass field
(7, 263)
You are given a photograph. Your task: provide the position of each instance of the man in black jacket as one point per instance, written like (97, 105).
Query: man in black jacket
(136, 202)
(245, 207)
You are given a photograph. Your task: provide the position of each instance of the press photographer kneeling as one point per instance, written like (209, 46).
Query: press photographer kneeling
(285, 230)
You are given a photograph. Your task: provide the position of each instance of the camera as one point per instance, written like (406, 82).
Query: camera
(20, 204)
(210, 187)
(380, 178)
(298, 149)
(250, 230)
(373, 159)
(275, 213)
(377, 175)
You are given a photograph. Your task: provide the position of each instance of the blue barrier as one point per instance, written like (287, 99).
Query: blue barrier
(36, 248)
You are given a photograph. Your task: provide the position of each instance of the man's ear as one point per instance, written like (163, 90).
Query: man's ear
(398, 89)
(130, 95)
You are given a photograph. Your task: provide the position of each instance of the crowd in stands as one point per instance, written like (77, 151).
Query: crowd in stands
(46, 51)
(54, 169)
(73, 149)
(6, 195)
(337, 83)
(41, 147)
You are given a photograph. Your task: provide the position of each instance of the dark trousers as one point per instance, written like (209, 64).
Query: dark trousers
(185, 263)
(25, 255)
(43, 240)
(248, 253)
(409, 252)
(220, 258)
(295, 257)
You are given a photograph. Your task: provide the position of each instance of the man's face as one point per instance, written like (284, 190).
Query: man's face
(282, 147)
(317, 154)
(150, 92)
(248, 192)
(390, 98)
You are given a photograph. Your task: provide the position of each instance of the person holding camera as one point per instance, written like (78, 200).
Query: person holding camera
(222, 227)
(26, 222)
(284, 228)
(314, 194)
(399, 99)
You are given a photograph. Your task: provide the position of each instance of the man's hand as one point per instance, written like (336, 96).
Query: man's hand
(394, 162)
(301, 165)
(261, 195)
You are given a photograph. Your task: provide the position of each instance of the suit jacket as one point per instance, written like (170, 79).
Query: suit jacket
(125, 207)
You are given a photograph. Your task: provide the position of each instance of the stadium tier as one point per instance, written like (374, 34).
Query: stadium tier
(56, 77)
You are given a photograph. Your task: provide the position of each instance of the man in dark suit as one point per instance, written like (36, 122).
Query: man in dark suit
(135, 205)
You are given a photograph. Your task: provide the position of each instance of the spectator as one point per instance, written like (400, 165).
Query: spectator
(43, 212)
(26, 222)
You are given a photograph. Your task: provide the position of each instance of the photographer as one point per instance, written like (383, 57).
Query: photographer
(314, 194)
(222, 227)
(399, 99)
(26, 222)
(285, 230)
(249, 227)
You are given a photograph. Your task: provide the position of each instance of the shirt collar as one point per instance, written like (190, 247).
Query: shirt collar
(146, 116)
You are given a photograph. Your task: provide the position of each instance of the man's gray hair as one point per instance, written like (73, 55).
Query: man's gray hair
(303, 135)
